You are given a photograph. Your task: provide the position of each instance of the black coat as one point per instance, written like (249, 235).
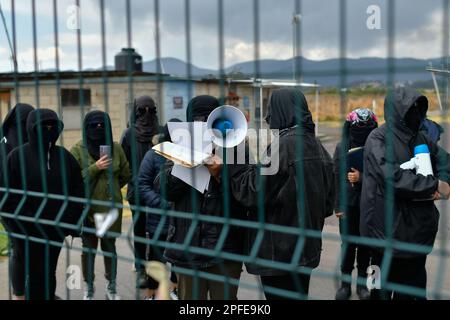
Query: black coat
(137, 139)
(10, 132)
(39, 168)
(134, 157)
(414, 222)
(206, 234)
(281, 193)
(150, 167)
(353, 191)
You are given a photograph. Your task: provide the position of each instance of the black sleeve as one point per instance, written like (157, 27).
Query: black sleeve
(441, 161)
(246, 181)
(337, 184)
(76, 190)
(407, 184)
(329, 182)
(125, 145)
(166, 183)
(13, 180)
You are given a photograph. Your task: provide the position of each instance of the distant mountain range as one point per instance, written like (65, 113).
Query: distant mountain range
(325, 72)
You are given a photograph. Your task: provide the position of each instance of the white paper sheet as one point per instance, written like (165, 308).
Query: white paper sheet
(184, 133)
(197, 177)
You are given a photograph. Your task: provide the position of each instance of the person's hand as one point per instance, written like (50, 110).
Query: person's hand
(214, 165)
(353, 177)
(339, 214)
(436, 196)
(103, 163)
(443, 190)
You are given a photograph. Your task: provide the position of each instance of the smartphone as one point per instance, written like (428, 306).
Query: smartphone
(105, 150)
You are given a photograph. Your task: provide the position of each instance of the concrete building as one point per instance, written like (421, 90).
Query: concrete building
(73, 94)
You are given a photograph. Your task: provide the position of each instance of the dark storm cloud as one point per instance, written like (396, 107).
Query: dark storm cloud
(320, 20)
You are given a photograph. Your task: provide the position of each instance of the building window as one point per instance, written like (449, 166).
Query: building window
(72, 97)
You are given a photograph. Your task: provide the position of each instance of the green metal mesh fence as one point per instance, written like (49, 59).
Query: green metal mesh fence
(325, 277)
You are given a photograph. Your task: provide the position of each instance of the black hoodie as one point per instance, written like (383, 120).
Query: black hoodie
(94, 137)
(288, 111)
(43, 164)
(287, 108)
(413, 221)
(143, 127)
(10, 134)
(185, 199)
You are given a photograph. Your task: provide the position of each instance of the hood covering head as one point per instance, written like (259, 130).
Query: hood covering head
(11, 127)
(200, 107)
(97, 132)
(405, 109)
(47, 122)
(164, 134)
(144, 118)
(287, 108)
(358, 125)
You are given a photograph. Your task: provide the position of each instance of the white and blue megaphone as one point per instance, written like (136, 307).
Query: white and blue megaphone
(228, 126)
(421, 161)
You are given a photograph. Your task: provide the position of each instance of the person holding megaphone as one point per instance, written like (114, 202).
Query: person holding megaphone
(399, 155)
(202, 234)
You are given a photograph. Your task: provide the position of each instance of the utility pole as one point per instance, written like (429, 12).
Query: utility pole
(13, 54)
(295, 41)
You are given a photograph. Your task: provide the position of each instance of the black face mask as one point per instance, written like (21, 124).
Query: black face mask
(413, 119)
(96, 131)
(145, 112)
(50, 132)
(359, 133)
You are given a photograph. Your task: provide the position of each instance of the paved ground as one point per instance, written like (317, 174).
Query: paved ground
(320, 288)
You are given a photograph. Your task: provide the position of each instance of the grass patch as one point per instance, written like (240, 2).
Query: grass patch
(3, 241)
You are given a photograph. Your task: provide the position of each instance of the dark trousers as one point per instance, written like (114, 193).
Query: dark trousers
(16, 265)
(155, 253)
(108, 246)
(40, 282)
(403, 271)
(349, 224)
(190, 287)
(295, 283)
(139, 222)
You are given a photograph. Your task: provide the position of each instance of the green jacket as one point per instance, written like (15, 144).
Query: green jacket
(99, 181)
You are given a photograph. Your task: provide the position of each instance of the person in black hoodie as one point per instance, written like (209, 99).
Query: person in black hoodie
(14, 134)
(205, 234)
(405, 213)
(150, 167)
(358, 125)
(136, 141)
(46, 168)
(288, 112)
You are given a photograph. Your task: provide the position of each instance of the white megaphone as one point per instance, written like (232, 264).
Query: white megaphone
(421, 161)
(228, 126)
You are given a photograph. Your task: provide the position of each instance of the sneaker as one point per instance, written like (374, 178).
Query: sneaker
(173, 294)
(150, 298)
(363, 292)
(111, 292)
(89, 292)
(343, 293)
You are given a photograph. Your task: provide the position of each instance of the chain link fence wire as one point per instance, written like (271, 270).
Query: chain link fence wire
(42, 224)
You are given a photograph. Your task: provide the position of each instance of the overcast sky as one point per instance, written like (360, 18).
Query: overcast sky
(418, 31)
